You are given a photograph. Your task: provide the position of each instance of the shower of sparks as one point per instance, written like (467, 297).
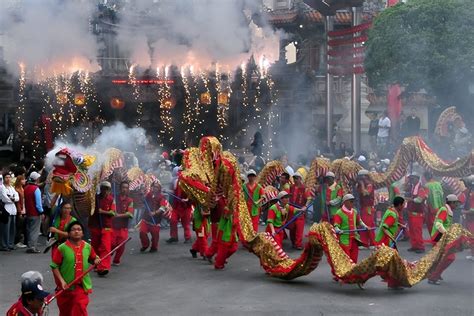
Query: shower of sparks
(166, 104)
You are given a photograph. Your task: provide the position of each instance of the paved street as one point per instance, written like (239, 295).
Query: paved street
(170, 282)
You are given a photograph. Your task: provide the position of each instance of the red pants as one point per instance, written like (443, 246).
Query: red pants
(212, 250)
(224, 251)
(352, 250)
(278, 237)
(200, 245)
(415, 222)
(101, 241)
(430, 217)
(183, 215)
(255, 220)
(154, 231)
(297, 231)
(73, 302)
(442, 265)
(119, 236)
(367, 237)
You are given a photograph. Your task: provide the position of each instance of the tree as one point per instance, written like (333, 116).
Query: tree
(425, 44)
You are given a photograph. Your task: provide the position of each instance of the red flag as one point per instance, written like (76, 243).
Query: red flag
(394, 103)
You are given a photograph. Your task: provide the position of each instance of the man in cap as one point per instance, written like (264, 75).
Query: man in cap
(254, 195)
(299, 197)
(415, 194)
(467, 200)
(346, 220)
(72, 259)
(390, 224)
(120, 221)
(34, 211)
(32, 296)
(284, 182)
(434, 200)
(100, 226)
(155, 206)
(278, 215)
(442, 223)
(331, 196)
(366, 193)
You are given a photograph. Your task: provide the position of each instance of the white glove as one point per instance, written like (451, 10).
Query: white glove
(337, 230)
(334, 202)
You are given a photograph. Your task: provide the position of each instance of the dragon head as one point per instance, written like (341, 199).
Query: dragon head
(70, 171)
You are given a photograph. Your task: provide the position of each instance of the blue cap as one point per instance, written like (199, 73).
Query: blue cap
(33, 287)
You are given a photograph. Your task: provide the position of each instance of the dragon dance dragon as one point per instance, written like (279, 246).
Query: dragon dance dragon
(208, 169)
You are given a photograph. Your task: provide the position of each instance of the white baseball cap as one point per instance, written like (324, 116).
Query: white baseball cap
(452, 198)
(105, 184)
(330, 174)
(251, 172)
(282, 194)
(363, 172)
(34, 176)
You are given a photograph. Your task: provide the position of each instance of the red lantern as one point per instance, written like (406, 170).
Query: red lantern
(206, 98)
(223, 99)
(168, 103)
(117, 103)
(79, 99)
(61, 98)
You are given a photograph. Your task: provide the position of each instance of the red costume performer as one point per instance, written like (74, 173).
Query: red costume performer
(181, 212)
(366, 191)
(120, 222)
(415, 195)
(226, 235)
(215, 217)
(156, 205)
(467, 202)
(253, 195)
(201, 227)
(100, 226)
(277, 217)
(298, 197)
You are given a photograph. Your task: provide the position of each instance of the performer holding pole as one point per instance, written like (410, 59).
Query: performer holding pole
(390, 223)
(120, 221)
(277, 216)
(365, 191)
(72, 259)
(346, 222)
(331, 196)
(443, 221)
(155, 204)
(254, 195)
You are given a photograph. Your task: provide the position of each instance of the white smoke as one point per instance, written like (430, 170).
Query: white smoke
(48, 34)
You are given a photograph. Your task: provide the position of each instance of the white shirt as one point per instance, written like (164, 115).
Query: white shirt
(384, 127)
(6, 191)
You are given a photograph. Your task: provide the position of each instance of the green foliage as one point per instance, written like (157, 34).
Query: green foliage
(423, 44)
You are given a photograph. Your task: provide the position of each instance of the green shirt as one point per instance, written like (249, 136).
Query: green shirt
(435, 195)
(392, 229)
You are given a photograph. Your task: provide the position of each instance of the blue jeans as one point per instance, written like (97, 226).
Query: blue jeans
(8, 232)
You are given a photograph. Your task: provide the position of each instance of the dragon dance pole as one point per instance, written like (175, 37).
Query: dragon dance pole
(79, 277)
(393, 243)
(292, 220)
(174, 196)
(357, 230)
(149, 210)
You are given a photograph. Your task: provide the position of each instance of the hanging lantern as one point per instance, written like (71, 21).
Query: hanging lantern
(61, 98)
(223, 98)
(79, 99)
(117, 103)
(206, 98)
(168, 103)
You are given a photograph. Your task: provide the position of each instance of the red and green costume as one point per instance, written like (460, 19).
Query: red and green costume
(120, 225)
(388, 228)
(226, 236)
(151, 224)
(444, 219)
(201, 227)
(253, 194)
(71, 261)
(299, 196)
(434, 201)
(415, 210)
(62, 225)
(277, 216)
(333, 194)
(367, 211)
(348, 219)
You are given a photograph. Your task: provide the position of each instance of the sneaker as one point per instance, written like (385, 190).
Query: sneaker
(116, 264)
(209, 258)
(434, 282)
(5, 249)
(152, 250)
(143, 249)
(20, 245)
(420, 251)
(102, 273)
(171, 240)
(32, 250)
(372, 247)
(396, 288)
(469, 257)
(411, 249)
(187, 241)
(193, 253)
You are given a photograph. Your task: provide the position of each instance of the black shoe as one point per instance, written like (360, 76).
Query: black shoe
(5, 249)
(103, 273)
(209, 258)
(32, 250)
(187, 241)
(420, 251)
(143, 249)
(172, 240)
(434, 282)
(153, 250)
(411, 249)
(193, 253)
